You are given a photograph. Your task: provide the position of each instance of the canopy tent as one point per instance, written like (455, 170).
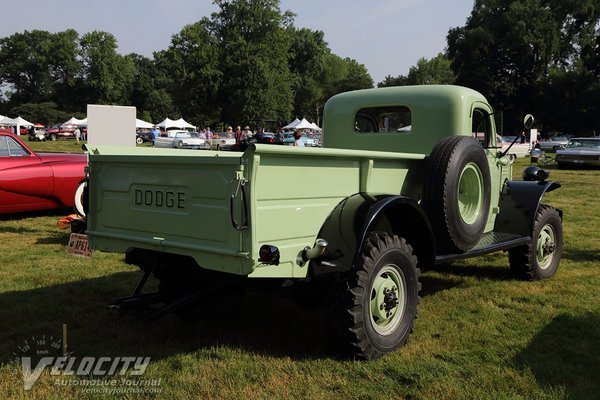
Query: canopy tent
(139, 124)
(75, 121)
(15, 121)
(292, 124)
(304, 124)
(315, 127)
(2, 117)
(179, 123)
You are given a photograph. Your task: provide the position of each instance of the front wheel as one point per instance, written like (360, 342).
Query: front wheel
(139, 140)
(540, 258)
(379, 304)
(53, 137)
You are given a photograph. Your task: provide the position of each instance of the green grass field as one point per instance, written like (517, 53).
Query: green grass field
(480, 333)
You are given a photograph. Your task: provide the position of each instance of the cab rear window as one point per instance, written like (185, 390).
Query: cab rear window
(395, 119)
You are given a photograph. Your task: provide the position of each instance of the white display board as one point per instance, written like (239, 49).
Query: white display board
(112, 125)
(533, 134)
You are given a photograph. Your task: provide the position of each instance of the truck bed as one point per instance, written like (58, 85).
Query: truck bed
(220, 207)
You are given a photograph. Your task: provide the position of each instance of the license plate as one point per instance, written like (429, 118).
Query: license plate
(578, 161)
(79, 246)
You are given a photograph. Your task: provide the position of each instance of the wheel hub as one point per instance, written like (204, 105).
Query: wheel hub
(388, 300)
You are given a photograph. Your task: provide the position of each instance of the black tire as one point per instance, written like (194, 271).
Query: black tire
(457, 192)
(540, 258)
(139, 140)
(180, 144)
(373, 321)
(53, 137)
(561, 165)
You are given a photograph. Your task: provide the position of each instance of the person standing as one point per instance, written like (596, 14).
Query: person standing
(298, 139)
(77, 134)
(155, 134)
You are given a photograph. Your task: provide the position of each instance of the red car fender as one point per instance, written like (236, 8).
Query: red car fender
(67, 177)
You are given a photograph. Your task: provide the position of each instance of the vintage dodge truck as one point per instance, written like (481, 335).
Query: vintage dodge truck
(409, 177)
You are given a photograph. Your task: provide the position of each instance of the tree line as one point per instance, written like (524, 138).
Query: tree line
(248, 63)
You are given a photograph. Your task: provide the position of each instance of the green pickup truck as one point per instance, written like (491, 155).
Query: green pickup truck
(409, 177)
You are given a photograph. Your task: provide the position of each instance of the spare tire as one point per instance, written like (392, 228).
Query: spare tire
(456, 193)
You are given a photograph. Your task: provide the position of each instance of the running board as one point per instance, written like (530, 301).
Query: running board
(489, 243)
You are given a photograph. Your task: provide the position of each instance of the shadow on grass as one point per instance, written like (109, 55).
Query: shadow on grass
(566, 353)
(59, 213)
(265, 323)
(58, 237)
(581, 255)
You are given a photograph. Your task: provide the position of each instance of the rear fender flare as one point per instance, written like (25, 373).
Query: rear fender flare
(348, 227)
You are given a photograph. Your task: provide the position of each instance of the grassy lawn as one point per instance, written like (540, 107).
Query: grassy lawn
(480, 333)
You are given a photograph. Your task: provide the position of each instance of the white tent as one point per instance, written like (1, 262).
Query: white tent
(15, 121)
(75, 121)
(2, 117)
(315, 127)
(139, 124)
(18, 122)
(304, 124)
(179, 123)
(292, 124)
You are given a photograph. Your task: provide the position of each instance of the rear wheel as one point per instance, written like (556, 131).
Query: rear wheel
(139, 140)
(540, 258)
(53, 137)
(180, 144)
(378, 306)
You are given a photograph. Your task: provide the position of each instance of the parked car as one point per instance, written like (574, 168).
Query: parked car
(554, 143)
(308, 141)
(579, 152)
(518, 150)
(38, 133)
(142, 136)
(61, 132)
(32, 181)
(181, 139)
(220, 141)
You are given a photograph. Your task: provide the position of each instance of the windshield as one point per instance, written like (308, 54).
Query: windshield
(584, 144)
(559, 139)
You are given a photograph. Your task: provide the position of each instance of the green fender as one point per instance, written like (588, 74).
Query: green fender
(355, 217)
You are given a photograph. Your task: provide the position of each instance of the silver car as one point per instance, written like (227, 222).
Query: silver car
(182, 140)
(554, 143)
(579, 152)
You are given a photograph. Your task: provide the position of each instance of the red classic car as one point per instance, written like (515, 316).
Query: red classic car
(32, 181)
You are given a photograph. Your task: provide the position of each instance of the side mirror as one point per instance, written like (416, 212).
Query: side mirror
(528, 121)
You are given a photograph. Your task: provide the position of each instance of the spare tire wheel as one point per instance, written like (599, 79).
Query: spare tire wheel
(456, 195)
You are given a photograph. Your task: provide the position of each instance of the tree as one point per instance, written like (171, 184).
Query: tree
(107, 76)
(195, 77)
(437, 70)
(306, 59)
(513, 51)
(64, 67)
(254, 58)
(24, 59)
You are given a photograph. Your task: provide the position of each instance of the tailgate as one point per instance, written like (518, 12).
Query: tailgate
(168, 200)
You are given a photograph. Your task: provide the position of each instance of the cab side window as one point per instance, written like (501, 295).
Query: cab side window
(481, 127)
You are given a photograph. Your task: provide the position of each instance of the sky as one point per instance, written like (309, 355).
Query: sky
(387, 36)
